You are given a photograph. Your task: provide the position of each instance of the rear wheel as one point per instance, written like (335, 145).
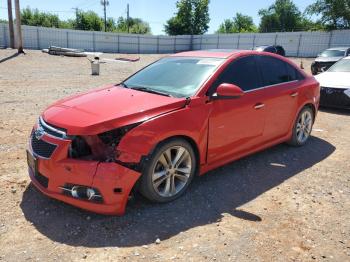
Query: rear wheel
(302, 127)
(169, 171)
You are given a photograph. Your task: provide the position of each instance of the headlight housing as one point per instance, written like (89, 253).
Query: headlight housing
(101, 147)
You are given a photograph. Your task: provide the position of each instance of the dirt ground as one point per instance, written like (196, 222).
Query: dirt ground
(282, 204)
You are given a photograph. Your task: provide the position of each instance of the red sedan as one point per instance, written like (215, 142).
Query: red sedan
(180, 116)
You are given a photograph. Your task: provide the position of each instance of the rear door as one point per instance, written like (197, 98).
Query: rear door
(236, 125)
(281, 88)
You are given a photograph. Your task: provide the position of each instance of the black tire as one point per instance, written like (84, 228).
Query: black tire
(147, 187)
(280, 50)
(295, 141)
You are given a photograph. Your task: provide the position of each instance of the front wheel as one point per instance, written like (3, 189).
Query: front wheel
(169, 171)
(302, 127)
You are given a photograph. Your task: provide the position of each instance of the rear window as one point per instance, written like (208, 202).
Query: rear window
(332, 53)
(275, 71)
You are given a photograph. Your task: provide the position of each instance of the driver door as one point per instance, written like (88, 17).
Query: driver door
(237, 125)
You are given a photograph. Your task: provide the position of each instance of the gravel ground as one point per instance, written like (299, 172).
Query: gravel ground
(282, 204)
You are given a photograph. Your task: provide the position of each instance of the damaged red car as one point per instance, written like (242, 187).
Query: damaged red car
(178, 117)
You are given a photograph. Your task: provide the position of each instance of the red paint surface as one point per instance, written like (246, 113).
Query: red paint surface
(221, 130)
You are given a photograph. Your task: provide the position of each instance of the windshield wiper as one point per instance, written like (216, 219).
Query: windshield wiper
(148, 90)
(123, 85)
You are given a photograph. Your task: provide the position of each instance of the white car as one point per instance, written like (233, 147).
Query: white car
(335, 85)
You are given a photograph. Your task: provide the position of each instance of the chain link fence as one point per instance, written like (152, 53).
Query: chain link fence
(300, 44)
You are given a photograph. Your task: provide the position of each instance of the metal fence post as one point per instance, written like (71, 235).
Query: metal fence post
(138, 44)
(276, 38)
(37, 38)
(157, 44)
(94, 41)
(67, 36)
(218, 41)
(254, 41)
(200, 44)
(118, 43)
(5, 35)
(175, 44)
(239, 38)
(299, 43)
(191, 43)
(330, 38)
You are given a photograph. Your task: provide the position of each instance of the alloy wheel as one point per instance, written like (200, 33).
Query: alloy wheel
(172, 171)
(304, 125)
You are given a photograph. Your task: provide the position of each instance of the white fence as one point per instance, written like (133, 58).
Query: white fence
(302, 44)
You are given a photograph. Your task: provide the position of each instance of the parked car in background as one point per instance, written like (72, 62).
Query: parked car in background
(183, 115)
(335, 85)
(327, 58)
(276, 49)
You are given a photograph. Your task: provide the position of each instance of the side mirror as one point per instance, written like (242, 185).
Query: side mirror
(227, 91)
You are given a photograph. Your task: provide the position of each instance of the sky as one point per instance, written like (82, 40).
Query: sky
(155, 12)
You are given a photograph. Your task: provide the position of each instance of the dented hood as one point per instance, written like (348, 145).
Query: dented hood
(107, 108)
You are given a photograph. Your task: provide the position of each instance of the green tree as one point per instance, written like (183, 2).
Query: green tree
(335, 14)
(192, 18)
(136, 26)
(89, 21)
(239, 24)
(283, 15)
(36, 18)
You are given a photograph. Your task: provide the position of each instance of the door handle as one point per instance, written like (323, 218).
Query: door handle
(294, 94)
(259, 105)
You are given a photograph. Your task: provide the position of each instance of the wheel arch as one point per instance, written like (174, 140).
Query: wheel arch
(186, 138)
(313, 108)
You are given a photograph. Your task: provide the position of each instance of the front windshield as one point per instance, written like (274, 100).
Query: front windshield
(342, 66)
(332, 53)
(176, 76)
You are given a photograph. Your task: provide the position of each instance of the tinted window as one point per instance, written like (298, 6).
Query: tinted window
(293, 73)
(270, 49)
(274, 71)
(242, 72)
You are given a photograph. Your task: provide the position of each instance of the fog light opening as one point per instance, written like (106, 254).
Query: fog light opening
(82, 192)
(118, 190)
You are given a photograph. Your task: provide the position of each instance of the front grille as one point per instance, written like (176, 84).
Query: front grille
(334, 97)
(324, 65)
(52, 130)
(41, 148)
(43, 180)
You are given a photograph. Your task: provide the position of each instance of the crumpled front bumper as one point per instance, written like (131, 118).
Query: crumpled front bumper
(113, 181)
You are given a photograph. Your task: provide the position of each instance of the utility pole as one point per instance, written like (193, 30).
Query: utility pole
(127, 18)
(18, 28)
(11, 30)
(76, 16)
(105, 3)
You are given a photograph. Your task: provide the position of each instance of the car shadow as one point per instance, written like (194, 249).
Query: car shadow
(336, 111)
(219, 192)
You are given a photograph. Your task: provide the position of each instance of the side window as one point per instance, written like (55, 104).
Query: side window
(242, 72)
(274, 71)
(293, 73)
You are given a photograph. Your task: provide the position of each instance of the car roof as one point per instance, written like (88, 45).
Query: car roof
(211, 53)
(342, 48)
